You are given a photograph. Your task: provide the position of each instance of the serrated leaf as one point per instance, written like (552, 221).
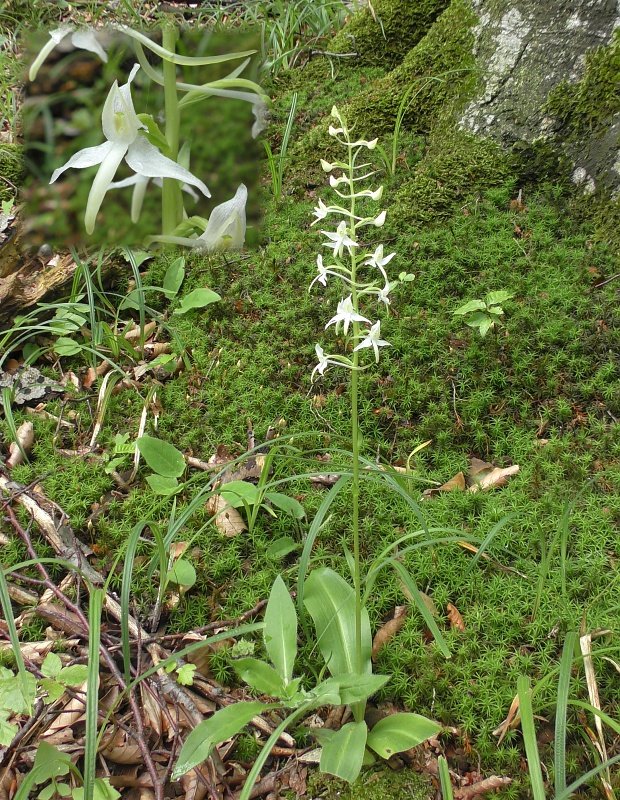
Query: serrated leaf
(74, 675)
(343, 752)
(199, 298)
(185, 674)
(280, 631)
(472, 305)
(51, 666)
(259, 676)
(497, 298)
(174, 277)
(162, 457)
(287, 504)
(224, 724)
(400, 732)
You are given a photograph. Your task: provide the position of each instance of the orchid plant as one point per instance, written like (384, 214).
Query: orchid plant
(338, 610)
(156, 156)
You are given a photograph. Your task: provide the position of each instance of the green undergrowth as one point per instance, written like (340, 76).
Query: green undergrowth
(543, 392)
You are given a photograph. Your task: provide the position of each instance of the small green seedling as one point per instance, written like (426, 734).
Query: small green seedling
(484, 314)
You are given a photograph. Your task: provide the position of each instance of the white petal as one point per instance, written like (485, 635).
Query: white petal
(102, 182)
(131, 181)
(87, 157)
(226, 220)
(55, 38)
(137, 199)
(119, 120)
(145, 159)
(87, 40)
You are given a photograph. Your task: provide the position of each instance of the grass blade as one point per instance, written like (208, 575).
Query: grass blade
(559, 745)
(529, 737)
(414, 592)
(444, 779)
(92, 694)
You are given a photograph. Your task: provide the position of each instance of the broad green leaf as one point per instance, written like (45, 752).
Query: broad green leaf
(260, 676)
(174, 277)
(280, 631)
(50, 763)
(343, 753)
(75, 675)
(162, 485)
(17, 694)
(7, 732)
(224, 724)
(139, 256)
(51, 665)
(485, 326)
(162, 457)
(47, 792)
(53, 689)
(182, 573)
(102, 790)
(63, 346)
(473, 305)
(399, 732)
(497, 311)
(354, 688)
(287, 504)
(497, 298)
(330, 601)
(199, 298)
(132, 300)
(282, 547)
(236, 492)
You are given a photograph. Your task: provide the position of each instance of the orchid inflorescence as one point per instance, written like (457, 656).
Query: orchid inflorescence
(346, 238)
(152, 155)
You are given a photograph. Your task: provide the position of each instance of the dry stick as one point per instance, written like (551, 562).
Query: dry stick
(148, 762)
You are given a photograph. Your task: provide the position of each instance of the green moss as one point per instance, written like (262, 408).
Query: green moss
(587, 106)
(385, 33)
(11, 170)
(386, 784)
(456, 168)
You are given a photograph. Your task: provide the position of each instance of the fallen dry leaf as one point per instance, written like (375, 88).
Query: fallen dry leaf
(117, 747)
(455, 617)
(481, 787)
(389, 630)
(227, 519)
(25, 440)
(585, 645)
(511, 721)
(455, 484)
(495, 478)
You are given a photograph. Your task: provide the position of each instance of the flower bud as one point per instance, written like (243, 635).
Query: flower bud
(326, 166)
(334, 131)
(378, 222)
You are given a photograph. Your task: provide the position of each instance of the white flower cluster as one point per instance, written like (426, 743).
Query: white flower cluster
(346, 237)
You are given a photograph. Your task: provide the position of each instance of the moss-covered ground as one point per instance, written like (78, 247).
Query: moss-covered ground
(542, 392)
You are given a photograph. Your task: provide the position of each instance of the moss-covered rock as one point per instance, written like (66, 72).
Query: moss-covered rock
(385, 32)
(440, 67)
(457, 167)
(11, 170)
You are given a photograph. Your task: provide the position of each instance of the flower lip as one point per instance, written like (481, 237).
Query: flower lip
(346, 314)
(372, 339)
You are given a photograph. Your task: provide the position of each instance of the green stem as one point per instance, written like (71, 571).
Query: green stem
(359, 708)
(171, 193)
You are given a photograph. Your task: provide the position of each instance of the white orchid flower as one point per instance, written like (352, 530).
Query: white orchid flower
(333, 181)
(372, 339)
(339, 240)
(326, 361)
(225, 229)
(334, 131)
(85, 39)
(140, 183)
(365, 143)
(377, 259)
(346, 314)
(332, 269)
(121, 128)
(320, 211)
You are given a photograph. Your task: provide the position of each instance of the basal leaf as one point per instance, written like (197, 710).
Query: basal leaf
(473, 305)
(199, 298)
(330, 601)
(225, 723)
(287, 504)
(280, 631)
(342, 753)
(400, 732)
(174, 277)
(260, 676)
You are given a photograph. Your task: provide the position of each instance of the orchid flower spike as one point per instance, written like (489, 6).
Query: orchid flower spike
(346, 314)
(85, 39)
(372, 339)
(121, 128)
